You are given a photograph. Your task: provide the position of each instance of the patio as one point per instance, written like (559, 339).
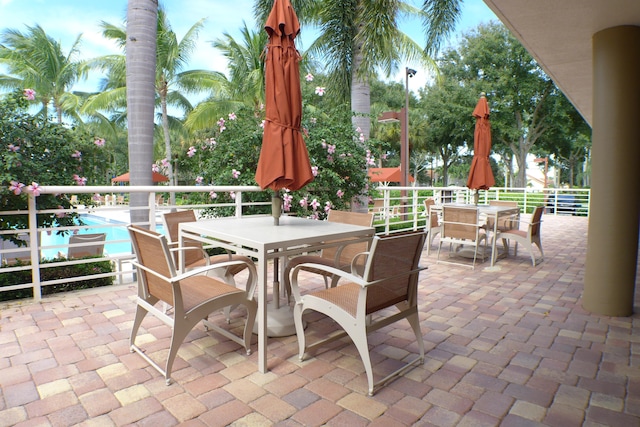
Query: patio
(509, 345)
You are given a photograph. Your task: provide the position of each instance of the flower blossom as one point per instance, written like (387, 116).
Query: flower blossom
(99, 142)
(320, 91)
(80, 180)
(165, 163)
(192, 151)
(313, 120)
(16, 187)
(232, 194)
(34, 189)
(77, 155)
(235, 173)
(13, 148)
(314, 170)
(155, 168)
(286, 201)
(211, 142)
(340, 193)
(304, 202)
(221, 125)
(331, 149)
(232, 116)
(199, 180)
(61, 214)
(213, 195)
(314, 204)
(309, 77)
(30, 94)
(361, 138)
(262, 124)
(327, 207)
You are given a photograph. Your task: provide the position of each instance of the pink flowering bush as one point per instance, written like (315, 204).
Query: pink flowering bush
(34, 153)
(338, 161)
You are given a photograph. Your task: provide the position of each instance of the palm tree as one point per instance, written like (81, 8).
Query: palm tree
(245, 84)
(171, 83)
(142, 18)
(37, 61)
(358, 38)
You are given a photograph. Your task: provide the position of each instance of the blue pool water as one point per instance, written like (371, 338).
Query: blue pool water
(117, 241)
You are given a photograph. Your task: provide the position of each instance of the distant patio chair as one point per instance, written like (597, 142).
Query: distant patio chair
(195, 256)
(433, 226)
(360, 304)
(86, 245)
(338, 257)
(193, 296)
(461, 227)
(528, 237)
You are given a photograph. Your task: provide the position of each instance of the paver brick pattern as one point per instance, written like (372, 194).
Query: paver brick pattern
(509, 345)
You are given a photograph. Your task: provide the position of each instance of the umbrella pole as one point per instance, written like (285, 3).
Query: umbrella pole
(276, 208)
(475, 197)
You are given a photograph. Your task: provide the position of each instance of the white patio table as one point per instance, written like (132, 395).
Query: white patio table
(495, 212)
(258, 237)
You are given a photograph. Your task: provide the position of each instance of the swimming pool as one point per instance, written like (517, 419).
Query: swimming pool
(117, 240)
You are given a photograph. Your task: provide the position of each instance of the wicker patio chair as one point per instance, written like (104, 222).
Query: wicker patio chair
(359, 303)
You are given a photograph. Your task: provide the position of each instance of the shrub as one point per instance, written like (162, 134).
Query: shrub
(53, 273)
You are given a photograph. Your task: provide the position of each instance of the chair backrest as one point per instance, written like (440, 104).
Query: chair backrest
(433, 219)
(536, 220)
(393, 257)
(509, 203)
(22, 252)
(154, 258)
(459, 222)
(364, 219)
(504, 223)
(87, 245)
(171, 222)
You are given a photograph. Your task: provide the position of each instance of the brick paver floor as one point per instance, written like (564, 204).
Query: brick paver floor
(509, 345)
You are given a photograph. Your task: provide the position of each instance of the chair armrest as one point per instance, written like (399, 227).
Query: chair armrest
(251, 280)
(336, 272)
(205, 256)
(355, 260)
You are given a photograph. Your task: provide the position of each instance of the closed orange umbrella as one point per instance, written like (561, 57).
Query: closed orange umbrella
(481, 175)
(284, 160)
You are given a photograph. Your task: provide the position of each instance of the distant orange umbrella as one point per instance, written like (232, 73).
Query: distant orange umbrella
(157, 177)
(481, 175)
(386, 175)
(284, 160)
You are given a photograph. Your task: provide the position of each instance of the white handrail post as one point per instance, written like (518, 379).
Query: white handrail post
(238, 202)
(34, 249)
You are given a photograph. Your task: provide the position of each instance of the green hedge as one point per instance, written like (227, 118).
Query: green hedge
(53, 273)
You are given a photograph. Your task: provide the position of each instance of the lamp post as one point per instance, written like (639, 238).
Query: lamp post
(404, 148)
(403, 118)
(546, 167)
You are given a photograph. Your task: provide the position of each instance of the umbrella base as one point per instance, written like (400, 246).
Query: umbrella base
(279, 322)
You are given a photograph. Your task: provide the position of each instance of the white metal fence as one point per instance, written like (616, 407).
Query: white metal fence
(396, 208)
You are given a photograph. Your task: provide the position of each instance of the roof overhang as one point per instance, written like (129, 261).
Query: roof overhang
(558, 34)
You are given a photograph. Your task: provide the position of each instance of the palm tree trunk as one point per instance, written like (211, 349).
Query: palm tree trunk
(361, 107)
(142, 19)
(167, 142)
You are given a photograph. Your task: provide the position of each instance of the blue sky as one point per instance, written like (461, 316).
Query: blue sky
(64, 20)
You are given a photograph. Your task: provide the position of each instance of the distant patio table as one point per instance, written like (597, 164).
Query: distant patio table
(495, 212)
(258, 237)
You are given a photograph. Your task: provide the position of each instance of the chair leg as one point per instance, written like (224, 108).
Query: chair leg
(177, 337)
(252, 310)
(414, 321)
(297, 319)
(140, 314)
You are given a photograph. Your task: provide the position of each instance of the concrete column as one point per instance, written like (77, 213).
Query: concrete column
(612, 248)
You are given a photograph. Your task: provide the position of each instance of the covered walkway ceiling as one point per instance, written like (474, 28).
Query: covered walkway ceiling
(558, 34)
